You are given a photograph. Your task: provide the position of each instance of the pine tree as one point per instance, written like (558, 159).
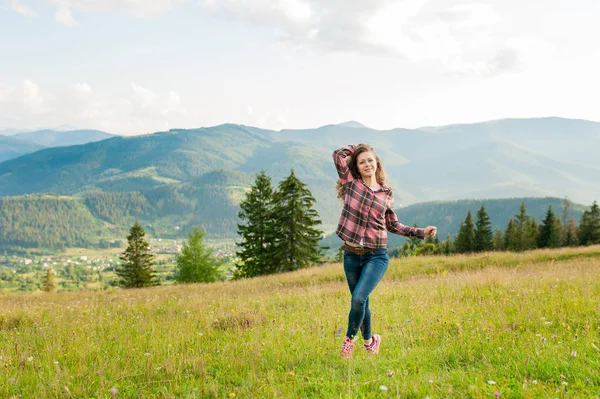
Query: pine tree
(195, 263)
(257, 245)
(49, 281)
(465, 239)
(520, 223)
(550, 231)
(510, 234)
(447, 246)
(135, 270)
(498, 241)
(483, 231)
(295, 221)
(565, 205)
(531, 234)
(571, 239)
(589, 226)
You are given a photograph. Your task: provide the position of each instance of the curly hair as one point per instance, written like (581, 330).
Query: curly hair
(352, 163)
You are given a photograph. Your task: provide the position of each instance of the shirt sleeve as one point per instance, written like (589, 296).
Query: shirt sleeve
(339, 159)
(392, 224)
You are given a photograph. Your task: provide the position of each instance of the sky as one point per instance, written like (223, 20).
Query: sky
(133, 67)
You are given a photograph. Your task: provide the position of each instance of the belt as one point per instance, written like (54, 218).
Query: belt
(356, 250)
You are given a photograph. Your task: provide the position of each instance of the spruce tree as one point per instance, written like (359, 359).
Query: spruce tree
(257, 245)
(135, 271)
(550, 231)
(196, 263)
(565, 205)
(483, 232)
(447, 246)
(521, 219)
(531, 234)
(589, 226)
(498, 241)
(465, 239)
(571, 239)
(49, 285)
(510, 236)
(295, 226)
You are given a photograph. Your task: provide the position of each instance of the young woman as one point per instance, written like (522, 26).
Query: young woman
(367, 216)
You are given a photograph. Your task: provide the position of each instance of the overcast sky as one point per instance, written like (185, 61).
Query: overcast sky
(131, 67)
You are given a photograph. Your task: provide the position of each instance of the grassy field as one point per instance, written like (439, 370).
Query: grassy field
(484, 326)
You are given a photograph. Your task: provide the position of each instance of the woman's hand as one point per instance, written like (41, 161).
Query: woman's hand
(430, 231)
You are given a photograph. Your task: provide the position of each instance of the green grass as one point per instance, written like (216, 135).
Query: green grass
(518, 325)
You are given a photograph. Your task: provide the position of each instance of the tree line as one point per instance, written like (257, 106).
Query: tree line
(521, 233)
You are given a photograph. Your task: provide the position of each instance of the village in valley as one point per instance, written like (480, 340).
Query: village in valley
(92, 269)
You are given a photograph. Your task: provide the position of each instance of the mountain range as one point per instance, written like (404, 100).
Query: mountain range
(497, 159)
(14, 143)
(183, 176)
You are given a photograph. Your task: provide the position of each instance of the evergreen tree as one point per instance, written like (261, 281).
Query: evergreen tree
(565, 205)
(498, 241)
(195, 263)
(510, 236)
(483, 232)
(520, 240)
(49, 285)
(550, 231)
(447, 246)
(465, 239)
(531, 234)
(589, 226)
(256, 254)
(571, 239)
(295, 226)
(135, 270)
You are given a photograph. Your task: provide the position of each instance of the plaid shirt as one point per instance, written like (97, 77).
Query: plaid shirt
(367, 214)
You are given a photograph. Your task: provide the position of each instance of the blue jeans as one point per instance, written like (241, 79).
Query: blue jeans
(363, 273)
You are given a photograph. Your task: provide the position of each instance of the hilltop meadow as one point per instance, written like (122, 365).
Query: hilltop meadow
(508, 325)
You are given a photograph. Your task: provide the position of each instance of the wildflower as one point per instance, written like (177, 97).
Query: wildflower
(56, 362)
(492, 382)
(431, 381)
(565, 383)
(534, 382)
(338, 332)
(232, 395)
(497, 394)
(147, 354)
(12, 380)
(383, 388)
(30, 358)
(574, 353)
(113, 392)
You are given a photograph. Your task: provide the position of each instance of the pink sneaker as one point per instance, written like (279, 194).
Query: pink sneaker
(347, 348)
(374, 347)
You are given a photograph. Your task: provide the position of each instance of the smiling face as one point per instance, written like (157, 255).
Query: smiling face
(367, 164)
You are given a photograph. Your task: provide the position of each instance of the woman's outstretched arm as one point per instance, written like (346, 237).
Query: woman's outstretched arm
(393, 225)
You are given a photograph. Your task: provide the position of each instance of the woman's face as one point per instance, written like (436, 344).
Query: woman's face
(367, 164)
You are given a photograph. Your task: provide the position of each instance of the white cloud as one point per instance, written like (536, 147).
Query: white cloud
(63, 15)
(5, 93)
(23, 9)
(144, 99)
(32, 96)
(136, 8)
(82, 89)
